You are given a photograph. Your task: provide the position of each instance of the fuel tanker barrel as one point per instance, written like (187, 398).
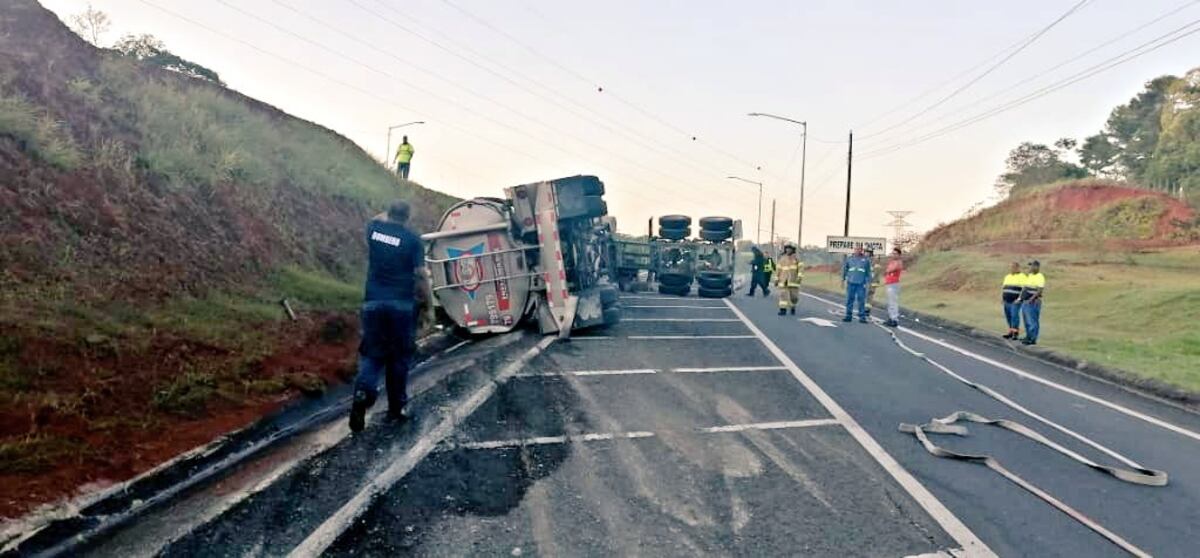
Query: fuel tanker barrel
(477, 269)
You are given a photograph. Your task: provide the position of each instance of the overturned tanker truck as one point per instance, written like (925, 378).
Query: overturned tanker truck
(541, 252)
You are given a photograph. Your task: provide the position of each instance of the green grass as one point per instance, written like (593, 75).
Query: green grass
(37, 132)
(1137, 312)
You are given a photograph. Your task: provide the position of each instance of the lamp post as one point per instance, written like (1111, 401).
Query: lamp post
(387, 153)
(758, 223)
(803, 164)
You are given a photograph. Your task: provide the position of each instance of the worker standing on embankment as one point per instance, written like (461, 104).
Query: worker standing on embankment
(1031, 302)
(404, 155)
(1010, 295)
(395, 296)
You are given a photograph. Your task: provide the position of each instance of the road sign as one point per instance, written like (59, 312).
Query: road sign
(847, 244)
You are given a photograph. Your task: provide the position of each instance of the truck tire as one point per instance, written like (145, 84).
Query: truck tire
(715, 293)
(716, 224)
(715, 236)
(675, 234)
(612, 316)
(596, 206)
(681, 290)
(674, 221)
(715, 282)
(674, 280)
(608, 296)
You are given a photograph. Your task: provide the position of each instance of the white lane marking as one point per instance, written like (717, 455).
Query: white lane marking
(771, 425)
(635, 371)
(1031, 376)
(547, 440)
(592, 337)
(676, 337)
(456, 347)
(603, 436)
(589, 373)
(680, 320)
(821, 322)
(952, 553)
(691, 306)
(729, 369)
(320, 539)
(938, 511)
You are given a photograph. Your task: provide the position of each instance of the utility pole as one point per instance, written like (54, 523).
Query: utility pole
(758, 222)
(773, 247)
(803, 161)
(849, 168)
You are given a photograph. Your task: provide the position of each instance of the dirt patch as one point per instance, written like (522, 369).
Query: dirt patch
(95, 418)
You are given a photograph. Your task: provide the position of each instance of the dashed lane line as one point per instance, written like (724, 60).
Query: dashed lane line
(320, 539)
(680, 320)
(679, 337)
(605, 436)
(1034, 377)
(661, 306)
(934, 507)
(637, 371)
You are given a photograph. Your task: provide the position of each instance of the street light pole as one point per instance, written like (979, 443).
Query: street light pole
(387, 152)
(803, 165)
(757, 224)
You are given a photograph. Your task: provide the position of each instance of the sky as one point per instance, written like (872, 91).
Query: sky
(653, 97)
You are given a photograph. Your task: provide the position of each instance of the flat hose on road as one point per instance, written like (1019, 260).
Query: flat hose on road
(1135, 474)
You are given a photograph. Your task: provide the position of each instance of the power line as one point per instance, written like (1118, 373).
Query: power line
(433, 94)
(523, 82)
(1128, 55)
(1025, 44)
(596, 85)
(1075, 58)
(350, 86)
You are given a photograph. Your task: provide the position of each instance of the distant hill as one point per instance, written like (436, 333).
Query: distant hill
(150, 222)
(1083, 211)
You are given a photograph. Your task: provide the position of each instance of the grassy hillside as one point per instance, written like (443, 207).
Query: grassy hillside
(149, 224)
(1122, 269)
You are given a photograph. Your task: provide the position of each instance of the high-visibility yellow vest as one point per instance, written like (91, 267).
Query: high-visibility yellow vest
(769, 266)
(404, 153)
(1013, 284)
(1034, 283)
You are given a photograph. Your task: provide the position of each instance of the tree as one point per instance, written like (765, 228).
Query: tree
(1133, 128)
(1031, 164)
(1099, 155)
(91, 24)
(149, 49)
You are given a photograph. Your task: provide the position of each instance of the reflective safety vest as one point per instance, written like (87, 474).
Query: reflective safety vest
(769, 266)
(1013, 284)
(1034, 284)
(404, 153)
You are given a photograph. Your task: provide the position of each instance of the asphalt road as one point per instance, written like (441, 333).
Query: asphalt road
(703, 427)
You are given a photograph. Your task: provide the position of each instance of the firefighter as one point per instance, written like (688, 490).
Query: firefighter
(1010, 295)
(791, 272)
(1031, 302)
(396, 294)
(404, 155)
(758, 274)
(856, 275)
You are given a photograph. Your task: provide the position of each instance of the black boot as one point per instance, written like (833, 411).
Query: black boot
(358, 410)
(793, 310)
(782, 312)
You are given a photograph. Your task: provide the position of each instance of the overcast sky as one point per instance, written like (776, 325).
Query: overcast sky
(516, 91)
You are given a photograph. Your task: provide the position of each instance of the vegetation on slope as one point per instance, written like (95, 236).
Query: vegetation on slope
(152, 221)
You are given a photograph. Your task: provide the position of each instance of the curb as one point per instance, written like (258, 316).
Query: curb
(1122, 378)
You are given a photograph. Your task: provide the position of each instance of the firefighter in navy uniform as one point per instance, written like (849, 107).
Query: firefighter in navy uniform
(396, 295)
